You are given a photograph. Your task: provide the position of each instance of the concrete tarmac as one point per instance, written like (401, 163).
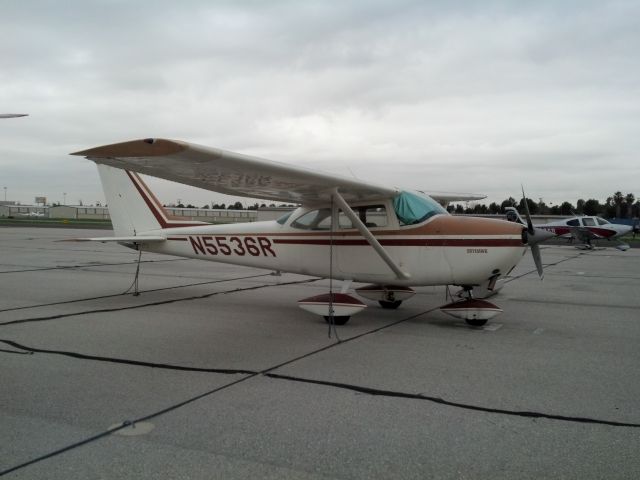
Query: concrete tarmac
(222, 376)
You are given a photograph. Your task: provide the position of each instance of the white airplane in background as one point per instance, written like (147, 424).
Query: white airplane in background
(32, 214)
(585, 228)
(345, 229)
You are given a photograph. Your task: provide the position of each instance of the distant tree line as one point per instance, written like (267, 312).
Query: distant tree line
(231, 206)
(618, 205)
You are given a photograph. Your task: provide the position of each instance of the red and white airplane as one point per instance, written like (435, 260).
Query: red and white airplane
(584, 228)
(344, 228)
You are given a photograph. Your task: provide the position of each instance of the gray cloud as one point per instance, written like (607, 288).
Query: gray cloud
(459, 96)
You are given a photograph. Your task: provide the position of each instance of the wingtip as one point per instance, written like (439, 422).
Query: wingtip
(146, 147)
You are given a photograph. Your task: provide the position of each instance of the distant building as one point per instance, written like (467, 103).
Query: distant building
(213, 215)
(76, 212)
(18, 211)
(193, 214)
(273, 213)
(79, 212)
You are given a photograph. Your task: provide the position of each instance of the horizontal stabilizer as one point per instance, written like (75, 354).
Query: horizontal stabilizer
(138, 239)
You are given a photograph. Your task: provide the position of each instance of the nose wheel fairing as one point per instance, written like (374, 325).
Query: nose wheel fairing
(474, 311)
(334, 307)
(388, 296)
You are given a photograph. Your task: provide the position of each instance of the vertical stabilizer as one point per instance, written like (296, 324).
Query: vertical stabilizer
(132, 209)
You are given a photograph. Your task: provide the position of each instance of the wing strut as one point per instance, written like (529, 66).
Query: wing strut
(368, 236)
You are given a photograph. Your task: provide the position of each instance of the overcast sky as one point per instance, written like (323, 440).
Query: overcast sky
(460, 96)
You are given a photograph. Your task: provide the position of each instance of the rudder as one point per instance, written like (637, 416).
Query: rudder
(132, 208)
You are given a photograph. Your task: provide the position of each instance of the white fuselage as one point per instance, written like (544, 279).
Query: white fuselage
(443, 250)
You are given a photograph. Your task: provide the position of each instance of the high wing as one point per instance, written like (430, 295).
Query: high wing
(231, 173)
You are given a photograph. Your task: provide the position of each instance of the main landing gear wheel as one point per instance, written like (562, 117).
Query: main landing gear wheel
(340, 320)
(476, 322)
(391, 305)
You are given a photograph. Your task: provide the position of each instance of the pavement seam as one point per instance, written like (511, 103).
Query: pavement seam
(545, 265)
(66, 302)
(150, 304)
(89, 265)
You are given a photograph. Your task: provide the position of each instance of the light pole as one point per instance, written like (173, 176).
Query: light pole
(5, 194)
(64, 197)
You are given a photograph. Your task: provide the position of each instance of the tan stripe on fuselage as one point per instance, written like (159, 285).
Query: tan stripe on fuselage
(440, 225)
(449, 225)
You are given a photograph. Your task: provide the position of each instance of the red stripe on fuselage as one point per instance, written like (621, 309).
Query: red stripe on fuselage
(412, 242)
(146, 199)
(603, 232)
(153, 204)
(390, 242)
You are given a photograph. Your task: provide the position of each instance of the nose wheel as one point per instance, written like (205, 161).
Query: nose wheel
(390, 304)
(474, 322)
(337, 320)
(474, 312)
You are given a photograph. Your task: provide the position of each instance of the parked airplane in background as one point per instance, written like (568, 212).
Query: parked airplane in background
(583, 228)
(32, 214)
(344, 228)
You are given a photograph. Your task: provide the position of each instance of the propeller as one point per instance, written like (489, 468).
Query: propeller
(535, 236)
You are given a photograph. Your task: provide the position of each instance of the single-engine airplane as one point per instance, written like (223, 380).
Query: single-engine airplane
(584, 228)
(345, 229)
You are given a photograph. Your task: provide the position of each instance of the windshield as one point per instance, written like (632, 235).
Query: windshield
(283, 219)
(412, 208)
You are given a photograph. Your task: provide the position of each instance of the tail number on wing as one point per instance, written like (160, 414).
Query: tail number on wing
(222, 245)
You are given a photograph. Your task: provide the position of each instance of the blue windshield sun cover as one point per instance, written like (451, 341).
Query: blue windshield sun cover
(411, 208)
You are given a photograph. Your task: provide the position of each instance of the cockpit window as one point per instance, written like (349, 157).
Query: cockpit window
(602, 221)
(283, 219)
(588, 222)
(370, 215)
(573, 223)
(411, 208)
(314, 220)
